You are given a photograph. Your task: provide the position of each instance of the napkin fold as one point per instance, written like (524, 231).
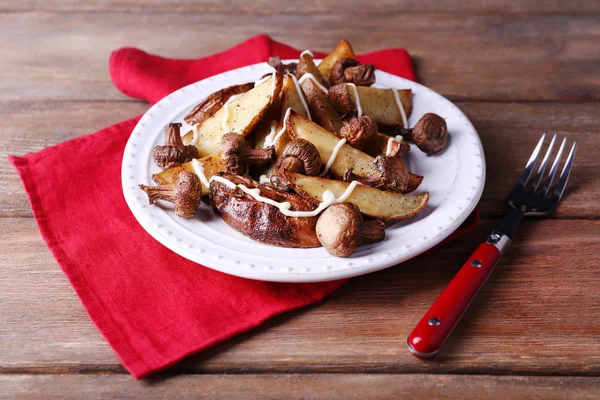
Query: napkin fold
(153, 306)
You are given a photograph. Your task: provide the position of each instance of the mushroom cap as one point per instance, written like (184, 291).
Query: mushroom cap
(341, 100)
(430, 134)
(233, 147)
(393, 173)
(304, 151)
(339, 229)
(187, 197)
(359, 131)
(337, 75)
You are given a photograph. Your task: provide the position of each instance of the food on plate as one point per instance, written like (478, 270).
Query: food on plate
(185, 194)
(240, 114)
(292, 161)
(173, 153)
(342, 50)
(381, 204)
(215, 102)
(259, 220)
(341, 229)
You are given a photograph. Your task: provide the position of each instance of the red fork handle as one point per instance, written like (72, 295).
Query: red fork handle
(437, 324)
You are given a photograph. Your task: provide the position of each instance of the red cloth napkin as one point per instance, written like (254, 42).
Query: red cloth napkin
(153, 306)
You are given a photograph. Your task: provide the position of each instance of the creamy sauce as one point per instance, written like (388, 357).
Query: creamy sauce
(356, 99)
(334, 154)
(310, 76)
(397, 139)
(225, 122)
(400, 107)
(196, 136)
(264, 179)
(198, 168)
(301, 95)
(310, 53)
(328, 196)
(273, 138)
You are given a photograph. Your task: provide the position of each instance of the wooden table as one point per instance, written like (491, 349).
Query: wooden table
(515, 69)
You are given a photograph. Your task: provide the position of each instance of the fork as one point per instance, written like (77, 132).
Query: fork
(528, 197)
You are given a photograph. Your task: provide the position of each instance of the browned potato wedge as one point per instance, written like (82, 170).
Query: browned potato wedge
(325, 142)
(214, 102)
(379, 104)
(321, 109)
(245, 113)
(414, 181)
(385, 205)
(342, 50)
(212, 166)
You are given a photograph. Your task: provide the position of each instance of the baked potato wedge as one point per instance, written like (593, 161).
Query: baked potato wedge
(379, 104)
(385, 205)
(414, 181)
(212, 166)
(261, 221)
(342, 50)
(325, 142)
(246, 112)
(214, 102)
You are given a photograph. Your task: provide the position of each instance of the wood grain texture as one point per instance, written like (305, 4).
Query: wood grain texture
(313, 7)
(462, 56)
(508, 131)
(542, 297)
(323, 386)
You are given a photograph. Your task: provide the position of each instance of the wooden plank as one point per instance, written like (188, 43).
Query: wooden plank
(536, 314)
(323, 386)
(355, 7)
(463, 56)
(508, 131)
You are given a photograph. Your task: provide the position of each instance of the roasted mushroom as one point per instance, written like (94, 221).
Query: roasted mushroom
(350, 70)
(174, 152)
(341, 229)
(430, 134)
(214, 102)
(276, 63)
(300, 156)
(391, 175)
(359, 131)
(185, 194)
(237, 155)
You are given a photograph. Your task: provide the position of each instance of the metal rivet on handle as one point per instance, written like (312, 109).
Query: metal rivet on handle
(433, 321)
(476, 263)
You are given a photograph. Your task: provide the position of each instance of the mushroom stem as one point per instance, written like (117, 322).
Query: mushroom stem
(260, 156)
(237, 155)
(185, 194)
(173, 135)
(174, 152)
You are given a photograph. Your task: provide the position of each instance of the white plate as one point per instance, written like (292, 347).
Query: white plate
(454, 179)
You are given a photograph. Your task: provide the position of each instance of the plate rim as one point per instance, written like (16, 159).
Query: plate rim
(211, 259)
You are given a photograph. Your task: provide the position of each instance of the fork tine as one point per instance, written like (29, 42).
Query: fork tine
(542, 169)
(564, 175)
(524, 178)
(553, 169)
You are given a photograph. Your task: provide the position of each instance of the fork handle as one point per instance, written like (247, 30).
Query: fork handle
(437, 324)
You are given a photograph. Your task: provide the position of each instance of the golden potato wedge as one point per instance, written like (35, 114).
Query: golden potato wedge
(214, 102)
(385, 205)
(306, 65)
(244, 113)
(212, 166)
(342, 50)
(377, 103)
(414, 181)
(321, 109)
(325, 142)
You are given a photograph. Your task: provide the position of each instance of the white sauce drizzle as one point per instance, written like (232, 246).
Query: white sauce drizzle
(264, 179)
(301, 94)
(334, 154)
(397, 139)
(199, 170)
(356, 99)
(328, 196)
(310, 53)
(225, 122)
(310, 76)
(196, 136)
(400, 107)
(273, 138)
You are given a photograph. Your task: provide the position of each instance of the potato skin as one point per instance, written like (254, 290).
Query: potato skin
(214, 102)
